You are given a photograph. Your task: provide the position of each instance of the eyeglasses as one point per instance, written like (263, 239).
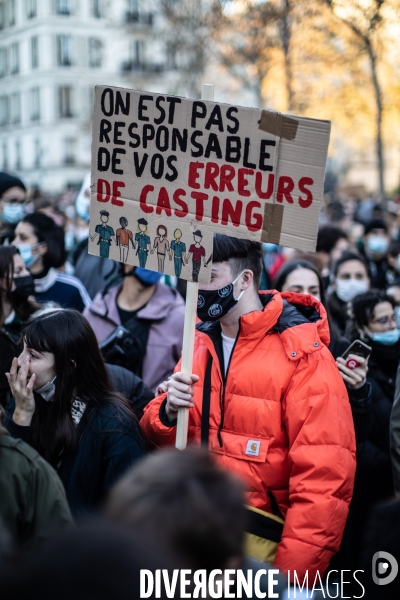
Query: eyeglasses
(385, 320)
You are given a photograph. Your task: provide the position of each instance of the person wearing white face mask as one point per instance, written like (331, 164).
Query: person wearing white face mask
(376, 244)
(350, 277)
(373, 321)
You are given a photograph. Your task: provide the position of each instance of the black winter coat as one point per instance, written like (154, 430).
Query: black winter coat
(373, 455)
(374, 480)
(110, 443)
(130, 386)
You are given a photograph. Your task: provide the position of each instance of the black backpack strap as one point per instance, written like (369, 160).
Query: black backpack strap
(205, 413)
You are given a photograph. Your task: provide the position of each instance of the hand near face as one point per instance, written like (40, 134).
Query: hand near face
(21, 386)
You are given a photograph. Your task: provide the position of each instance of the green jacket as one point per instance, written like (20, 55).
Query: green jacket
(32, 498)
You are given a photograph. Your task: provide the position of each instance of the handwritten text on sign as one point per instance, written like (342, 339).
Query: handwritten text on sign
(208, 164)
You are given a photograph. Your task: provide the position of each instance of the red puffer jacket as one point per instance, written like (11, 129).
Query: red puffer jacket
(284, 392)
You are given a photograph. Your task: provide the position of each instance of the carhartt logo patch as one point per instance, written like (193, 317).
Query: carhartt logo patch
(253, 447)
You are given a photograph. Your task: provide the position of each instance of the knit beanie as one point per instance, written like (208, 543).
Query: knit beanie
(8, 181)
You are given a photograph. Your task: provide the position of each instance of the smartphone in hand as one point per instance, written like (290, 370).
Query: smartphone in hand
(360, 349)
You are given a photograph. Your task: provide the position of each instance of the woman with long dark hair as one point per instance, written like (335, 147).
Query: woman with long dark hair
(40, 242)
(65, 408)
(16, 305)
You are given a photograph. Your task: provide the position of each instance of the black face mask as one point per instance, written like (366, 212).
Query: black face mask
(212, 305)
(24, 287)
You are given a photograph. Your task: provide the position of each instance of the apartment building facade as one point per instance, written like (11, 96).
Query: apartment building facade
(52, 54)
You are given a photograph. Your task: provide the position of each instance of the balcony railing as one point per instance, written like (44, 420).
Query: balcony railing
(130, 65)
(139, 18)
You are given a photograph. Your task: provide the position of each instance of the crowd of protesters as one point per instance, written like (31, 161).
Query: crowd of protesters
(294, 391)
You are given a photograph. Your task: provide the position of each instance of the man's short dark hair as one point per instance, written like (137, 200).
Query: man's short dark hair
(328, 237)
(187, 501)
(241, 255)
(351, 255)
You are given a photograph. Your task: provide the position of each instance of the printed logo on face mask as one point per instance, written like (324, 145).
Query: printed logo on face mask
(200, 301)
(215, 310)
(223, 292)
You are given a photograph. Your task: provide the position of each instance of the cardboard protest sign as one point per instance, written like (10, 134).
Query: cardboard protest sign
(167, 172)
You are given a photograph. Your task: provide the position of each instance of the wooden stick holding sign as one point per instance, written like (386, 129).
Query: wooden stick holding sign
(189, 329)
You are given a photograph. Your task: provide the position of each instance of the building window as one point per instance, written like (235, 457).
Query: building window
(91, 99)
(3, 110)
(34, 52)
(63, 7)
(14, 58)
(15, 108)
(65, 101)
(135, 13)
(3, 62)
(18, 161)
(97, 12)
(64, 53)
(137, 54)
(11, 13)
(37, 153)
(133, 8)
(95, 52)
(2, 15)
(31, 9)
(69, 151)
(5, 156)
(35, 104)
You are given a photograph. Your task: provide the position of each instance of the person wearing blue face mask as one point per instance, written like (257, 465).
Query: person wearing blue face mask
(374, 322)
(12, 202)
(376, 245)
(40, 242)
(152, 312)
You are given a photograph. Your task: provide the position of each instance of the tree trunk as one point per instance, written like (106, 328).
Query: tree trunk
(379, 113)
(285, 38)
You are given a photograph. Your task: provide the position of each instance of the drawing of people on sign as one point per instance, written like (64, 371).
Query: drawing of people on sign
(143, 241)
(105, 233)
(162, 245)
(124, 236)
(178, 252)
(197, 251)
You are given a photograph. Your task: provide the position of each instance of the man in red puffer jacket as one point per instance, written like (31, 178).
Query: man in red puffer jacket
(279, 414)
